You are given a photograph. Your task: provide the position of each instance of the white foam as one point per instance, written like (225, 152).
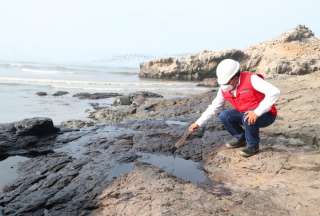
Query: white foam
(165, 88)
(40, 71)
(17, 80)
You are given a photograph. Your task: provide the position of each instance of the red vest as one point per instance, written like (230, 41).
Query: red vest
(247, 98)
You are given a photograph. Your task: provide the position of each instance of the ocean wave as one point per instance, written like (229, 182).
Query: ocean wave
(42, 71)
(38, 68)
(14, 80)
(165, 88)
(69, 83)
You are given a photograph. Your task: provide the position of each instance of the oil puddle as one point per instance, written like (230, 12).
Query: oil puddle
(186, 170)
(119, 170)
(8, 170)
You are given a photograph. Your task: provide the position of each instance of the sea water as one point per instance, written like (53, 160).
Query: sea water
(19, 83)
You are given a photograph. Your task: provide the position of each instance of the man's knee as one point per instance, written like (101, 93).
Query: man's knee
(244, 121)
(223, 116)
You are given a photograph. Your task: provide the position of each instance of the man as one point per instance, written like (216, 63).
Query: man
(253, 100)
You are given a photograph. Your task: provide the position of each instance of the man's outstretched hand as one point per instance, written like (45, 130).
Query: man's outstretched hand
(193, 127)
(250, 117)
(183, 140)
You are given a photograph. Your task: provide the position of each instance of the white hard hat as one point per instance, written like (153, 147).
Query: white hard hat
(226, 69)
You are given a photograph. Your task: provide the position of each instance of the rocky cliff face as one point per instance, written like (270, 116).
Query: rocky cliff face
(293, 52)
(194, 67)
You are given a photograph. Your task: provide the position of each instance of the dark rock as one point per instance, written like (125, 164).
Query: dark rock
(163, 140)
(95, 96)
(112, 114)
(146, 94)
(136, 98)
(145, 124)
(181, 109)
(293, 67)
(28, 136)
(95, 106)
(60, 93)
(298, 34)
(123, 100)
(35, 127)
(42, 93)
(76, 124)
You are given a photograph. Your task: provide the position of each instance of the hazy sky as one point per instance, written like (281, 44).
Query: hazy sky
(83, 30)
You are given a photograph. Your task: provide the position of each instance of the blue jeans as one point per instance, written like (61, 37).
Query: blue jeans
(235, 124)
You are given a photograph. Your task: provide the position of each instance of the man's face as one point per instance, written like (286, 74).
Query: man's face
(234, 81)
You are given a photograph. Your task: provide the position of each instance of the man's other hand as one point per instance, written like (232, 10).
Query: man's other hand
(250, 117)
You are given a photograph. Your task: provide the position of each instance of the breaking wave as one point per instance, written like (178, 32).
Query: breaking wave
(113, 86)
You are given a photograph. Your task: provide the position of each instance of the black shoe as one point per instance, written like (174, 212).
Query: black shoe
(235, 143)
(248, 152)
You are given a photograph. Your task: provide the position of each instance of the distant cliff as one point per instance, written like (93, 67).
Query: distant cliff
(293, 52)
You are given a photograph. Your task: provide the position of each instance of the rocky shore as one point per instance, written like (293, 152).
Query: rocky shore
(123, 161)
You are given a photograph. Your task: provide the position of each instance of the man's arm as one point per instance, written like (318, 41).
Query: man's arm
(270, 91)
(216, 104)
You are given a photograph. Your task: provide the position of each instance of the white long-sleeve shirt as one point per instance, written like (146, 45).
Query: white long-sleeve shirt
(270, 91)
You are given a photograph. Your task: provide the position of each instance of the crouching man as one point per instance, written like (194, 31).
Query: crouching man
(253, 101)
